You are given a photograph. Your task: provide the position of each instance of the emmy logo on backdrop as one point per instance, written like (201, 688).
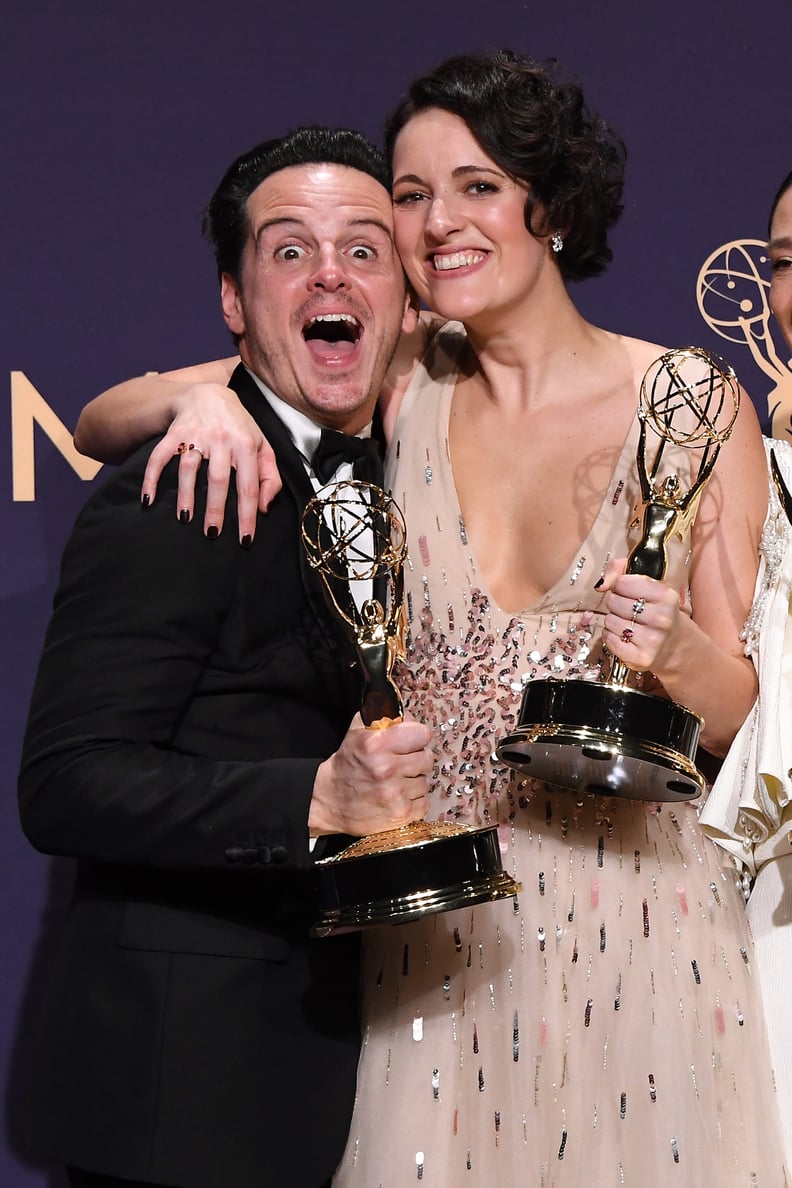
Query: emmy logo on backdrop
(354, 537)
(732, 292)
(607, 737)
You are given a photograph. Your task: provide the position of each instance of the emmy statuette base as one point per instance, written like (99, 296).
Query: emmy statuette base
(605, 739)
(407, 873)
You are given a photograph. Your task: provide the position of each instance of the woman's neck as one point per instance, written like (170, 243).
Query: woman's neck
(530, 354)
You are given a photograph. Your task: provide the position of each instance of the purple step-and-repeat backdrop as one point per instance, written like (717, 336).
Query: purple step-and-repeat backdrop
(118, 120)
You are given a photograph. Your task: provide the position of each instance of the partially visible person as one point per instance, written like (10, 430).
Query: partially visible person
(189, 739)
(607, 1029)
(750, 809)
(780, 232)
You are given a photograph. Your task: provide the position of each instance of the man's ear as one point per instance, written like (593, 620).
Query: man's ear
(412, 310)
(231, 301)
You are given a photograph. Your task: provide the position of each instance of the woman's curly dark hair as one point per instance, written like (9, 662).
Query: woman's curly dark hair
(533, 122)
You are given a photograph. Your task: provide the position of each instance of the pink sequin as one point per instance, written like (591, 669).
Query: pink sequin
(683, 903)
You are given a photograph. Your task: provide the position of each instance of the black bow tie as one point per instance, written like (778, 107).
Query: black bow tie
(336, 448)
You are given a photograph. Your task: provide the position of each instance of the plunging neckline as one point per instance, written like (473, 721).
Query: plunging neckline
(551, 596)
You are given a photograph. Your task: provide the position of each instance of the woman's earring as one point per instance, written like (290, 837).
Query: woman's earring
(557, 242)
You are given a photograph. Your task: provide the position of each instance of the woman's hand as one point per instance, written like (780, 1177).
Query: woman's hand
(643, 618)
(212, 425)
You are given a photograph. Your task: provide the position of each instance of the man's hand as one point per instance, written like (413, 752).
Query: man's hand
(376, 780)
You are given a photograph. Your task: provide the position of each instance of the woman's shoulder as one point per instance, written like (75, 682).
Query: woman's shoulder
(434, 343)
(658, 371)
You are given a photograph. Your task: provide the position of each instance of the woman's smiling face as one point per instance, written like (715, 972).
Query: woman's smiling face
(460, 222)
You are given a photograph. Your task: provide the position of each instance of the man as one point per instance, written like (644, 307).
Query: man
(190, 733)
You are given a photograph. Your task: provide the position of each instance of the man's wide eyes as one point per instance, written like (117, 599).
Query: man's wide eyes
(294, 251)
(291, 251)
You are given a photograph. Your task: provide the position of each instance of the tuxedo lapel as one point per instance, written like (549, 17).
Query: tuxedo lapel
(295, 481)
(290, 462)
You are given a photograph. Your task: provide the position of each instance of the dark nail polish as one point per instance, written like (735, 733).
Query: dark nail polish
(599, 583)
(246, 541)
(213, 532)
(184, 516)
(146, 500)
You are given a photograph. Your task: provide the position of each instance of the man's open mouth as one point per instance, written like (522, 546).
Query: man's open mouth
(332, 335)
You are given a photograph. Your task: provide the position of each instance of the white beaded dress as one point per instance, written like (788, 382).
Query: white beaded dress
(749, 811)
(604, 1030)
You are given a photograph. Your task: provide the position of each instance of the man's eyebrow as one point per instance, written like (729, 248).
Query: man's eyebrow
(277, 222)
(293, 220)
(781, 241)
(370, 222)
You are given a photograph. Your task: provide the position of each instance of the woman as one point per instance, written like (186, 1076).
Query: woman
(750, 809)
(606, 1029)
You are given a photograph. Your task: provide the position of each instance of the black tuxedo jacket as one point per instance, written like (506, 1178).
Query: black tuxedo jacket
(187, 692)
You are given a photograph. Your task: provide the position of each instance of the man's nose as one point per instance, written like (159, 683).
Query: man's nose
(330, 271)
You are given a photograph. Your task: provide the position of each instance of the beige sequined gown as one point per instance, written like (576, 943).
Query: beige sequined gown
(606, 1030)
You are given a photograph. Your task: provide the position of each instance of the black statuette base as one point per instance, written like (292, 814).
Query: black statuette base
(605, 739)
(411, 881)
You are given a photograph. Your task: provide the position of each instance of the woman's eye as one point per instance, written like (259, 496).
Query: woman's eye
(410, 198)
(482, 187)
(291, 251)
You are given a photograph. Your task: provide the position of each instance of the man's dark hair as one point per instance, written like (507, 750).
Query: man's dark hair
(534, 124)
(225, 222)
(786, 184)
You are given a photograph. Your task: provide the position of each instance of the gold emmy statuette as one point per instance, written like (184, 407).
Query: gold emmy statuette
(606, 737)
(354, 537)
